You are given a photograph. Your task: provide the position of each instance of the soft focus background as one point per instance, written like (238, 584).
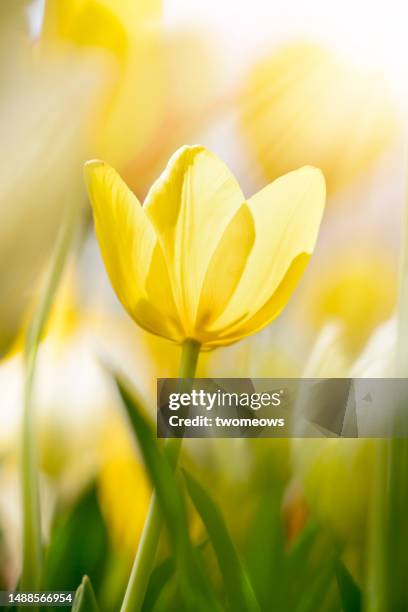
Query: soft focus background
(268, 86)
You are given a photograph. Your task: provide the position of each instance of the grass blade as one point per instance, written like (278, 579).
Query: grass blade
(238, 588)
(265, 552)
(79, 544)
(350, 594)
(160, 576)
(309, 570)
(315, 596)
(32, 544)
(85, 600)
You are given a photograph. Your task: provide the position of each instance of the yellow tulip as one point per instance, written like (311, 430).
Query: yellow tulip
(119, 33)
(123, 487)
(357, 290)
(149, 98)
(304, 104)
(198, 261)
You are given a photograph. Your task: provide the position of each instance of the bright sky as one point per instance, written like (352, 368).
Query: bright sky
(372, 31)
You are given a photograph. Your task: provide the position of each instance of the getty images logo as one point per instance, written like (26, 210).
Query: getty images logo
(221, 399)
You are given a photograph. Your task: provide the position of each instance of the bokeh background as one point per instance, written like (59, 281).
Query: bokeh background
(269, 87)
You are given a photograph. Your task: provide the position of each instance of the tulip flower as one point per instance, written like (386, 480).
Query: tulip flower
(304, 104)
(200, 265)
(356, 289)
(198, 261)
(118, 34)
(147, 96)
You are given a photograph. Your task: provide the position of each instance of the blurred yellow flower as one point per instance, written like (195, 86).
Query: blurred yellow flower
(357, 290)
(151, 97)
(36, 104)
(197, 261)
(336, 474)
(190, 101)
(304, 105)
(124, 488)
(122, 33)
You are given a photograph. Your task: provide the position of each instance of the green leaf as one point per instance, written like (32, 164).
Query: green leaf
(85, 600)
(265, 552)
(397, 528)
(349, 592)
(160, 576)
(387, 587)
(192, 581)
(314, 596)
(32, 548)
(300, 549)
(239, 591)
(79, 545)
(159, 470)
(309, 569)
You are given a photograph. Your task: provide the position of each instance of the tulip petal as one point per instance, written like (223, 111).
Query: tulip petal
(190, 206)
(226, 267)
(130, 251)
(159, 313)
(287, 215)
(269, 311)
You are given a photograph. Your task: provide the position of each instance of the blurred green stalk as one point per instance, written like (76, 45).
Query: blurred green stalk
(149, 541)
(376, 591)
(387, 589)
(32, 545)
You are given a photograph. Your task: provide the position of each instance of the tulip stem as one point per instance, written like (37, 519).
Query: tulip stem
(383, 552)
(31, 540)
(149, 541)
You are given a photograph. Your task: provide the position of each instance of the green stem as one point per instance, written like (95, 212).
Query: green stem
(32, 547)
(149, 541)
(376, 596)
(383, 548)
